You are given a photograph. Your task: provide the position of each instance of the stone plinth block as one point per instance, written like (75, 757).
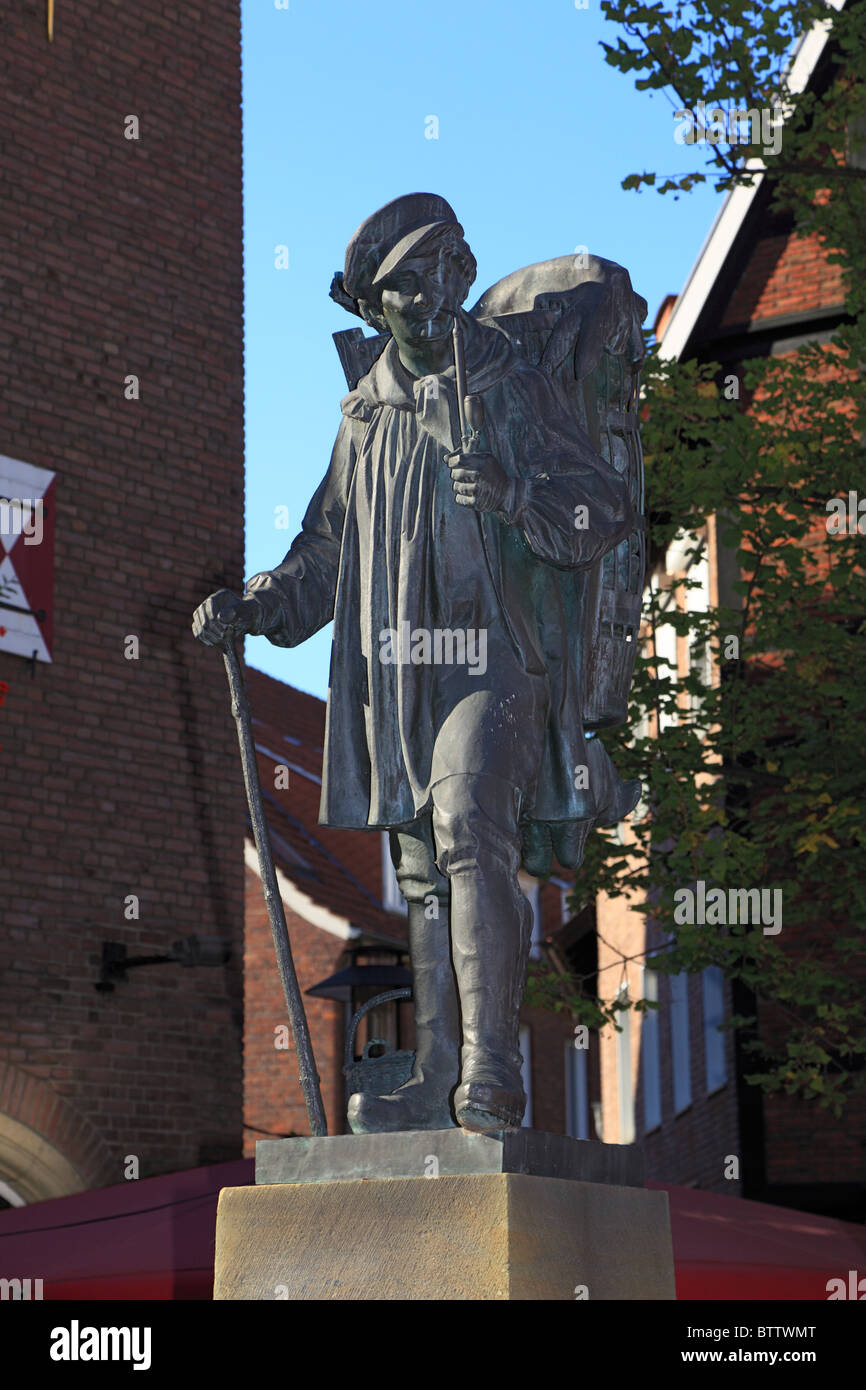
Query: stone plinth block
(472, 1236)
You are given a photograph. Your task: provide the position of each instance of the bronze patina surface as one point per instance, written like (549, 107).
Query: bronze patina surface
(478, 541)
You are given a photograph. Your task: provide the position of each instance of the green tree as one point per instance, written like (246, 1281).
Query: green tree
(757, 778)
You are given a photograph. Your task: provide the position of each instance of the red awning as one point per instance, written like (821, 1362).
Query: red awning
(146, 1239)
(154, 1239)
(728, 1248)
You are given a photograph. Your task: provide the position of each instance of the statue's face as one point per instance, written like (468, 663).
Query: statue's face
(422, 294)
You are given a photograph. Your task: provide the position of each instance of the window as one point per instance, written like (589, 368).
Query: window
(680, 1051)
(699, 654)
(531, 893)
(857, 142)
(564, 907)
(666, 667)
(9, 1197)
(392, 898)
(714, 1016)
(625, 1093)
(650, 1061)
(526, 1072)
(576, 1091)
(686, 557)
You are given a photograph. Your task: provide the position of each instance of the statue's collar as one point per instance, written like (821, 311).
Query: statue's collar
(489, 356)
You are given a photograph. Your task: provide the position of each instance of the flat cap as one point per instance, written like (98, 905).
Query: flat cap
(385, 238)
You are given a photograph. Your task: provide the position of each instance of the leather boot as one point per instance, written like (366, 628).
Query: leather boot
(491, 930)
(490, 957)
(423, 1101)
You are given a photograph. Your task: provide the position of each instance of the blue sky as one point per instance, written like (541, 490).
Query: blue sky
(535, 133)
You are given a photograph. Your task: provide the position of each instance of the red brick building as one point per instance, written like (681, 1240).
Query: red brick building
(121, 813)
(674, 1083)
(342, 905)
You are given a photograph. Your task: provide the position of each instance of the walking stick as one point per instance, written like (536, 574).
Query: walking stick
(309, 1077)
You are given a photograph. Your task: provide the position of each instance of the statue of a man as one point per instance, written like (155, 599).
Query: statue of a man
(454, 711)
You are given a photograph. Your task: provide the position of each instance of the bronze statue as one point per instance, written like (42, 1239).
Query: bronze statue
(478, 541)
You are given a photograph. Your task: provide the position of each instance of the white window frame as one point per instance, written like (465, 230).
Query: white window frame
(651, 1053)
(392, 898)
(698, 601)
(667, 655)
(624, 1088)
(577, 1121)
(564, 890)
(532, 892)
(681, 1055)
(526, 1071)
(715, 1058)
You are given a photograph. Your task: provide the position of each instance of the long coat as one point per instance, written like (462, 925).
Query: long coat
(381, 543)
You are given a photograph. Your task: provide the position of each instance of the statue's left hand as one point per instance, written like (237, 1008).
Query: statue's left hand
(480, 481)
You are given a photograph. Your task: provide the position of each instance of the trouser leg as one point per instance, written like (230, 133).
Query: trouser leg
(424, 1101)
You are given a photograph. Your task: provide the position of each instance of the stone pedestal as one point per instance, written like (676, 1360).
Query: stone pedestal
(441, 1214)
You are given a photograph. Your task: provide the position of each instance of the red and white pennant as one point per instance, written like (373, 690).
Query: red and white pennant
(26, 559)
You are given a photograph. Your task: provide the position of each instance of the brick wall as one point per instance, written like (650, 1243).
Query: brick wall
(806, 1144)
(273, 1099)
(121, 777)
(783, 275)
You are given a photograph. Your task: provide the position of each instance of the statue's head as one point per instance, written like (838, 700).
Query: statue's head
(408, 268)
